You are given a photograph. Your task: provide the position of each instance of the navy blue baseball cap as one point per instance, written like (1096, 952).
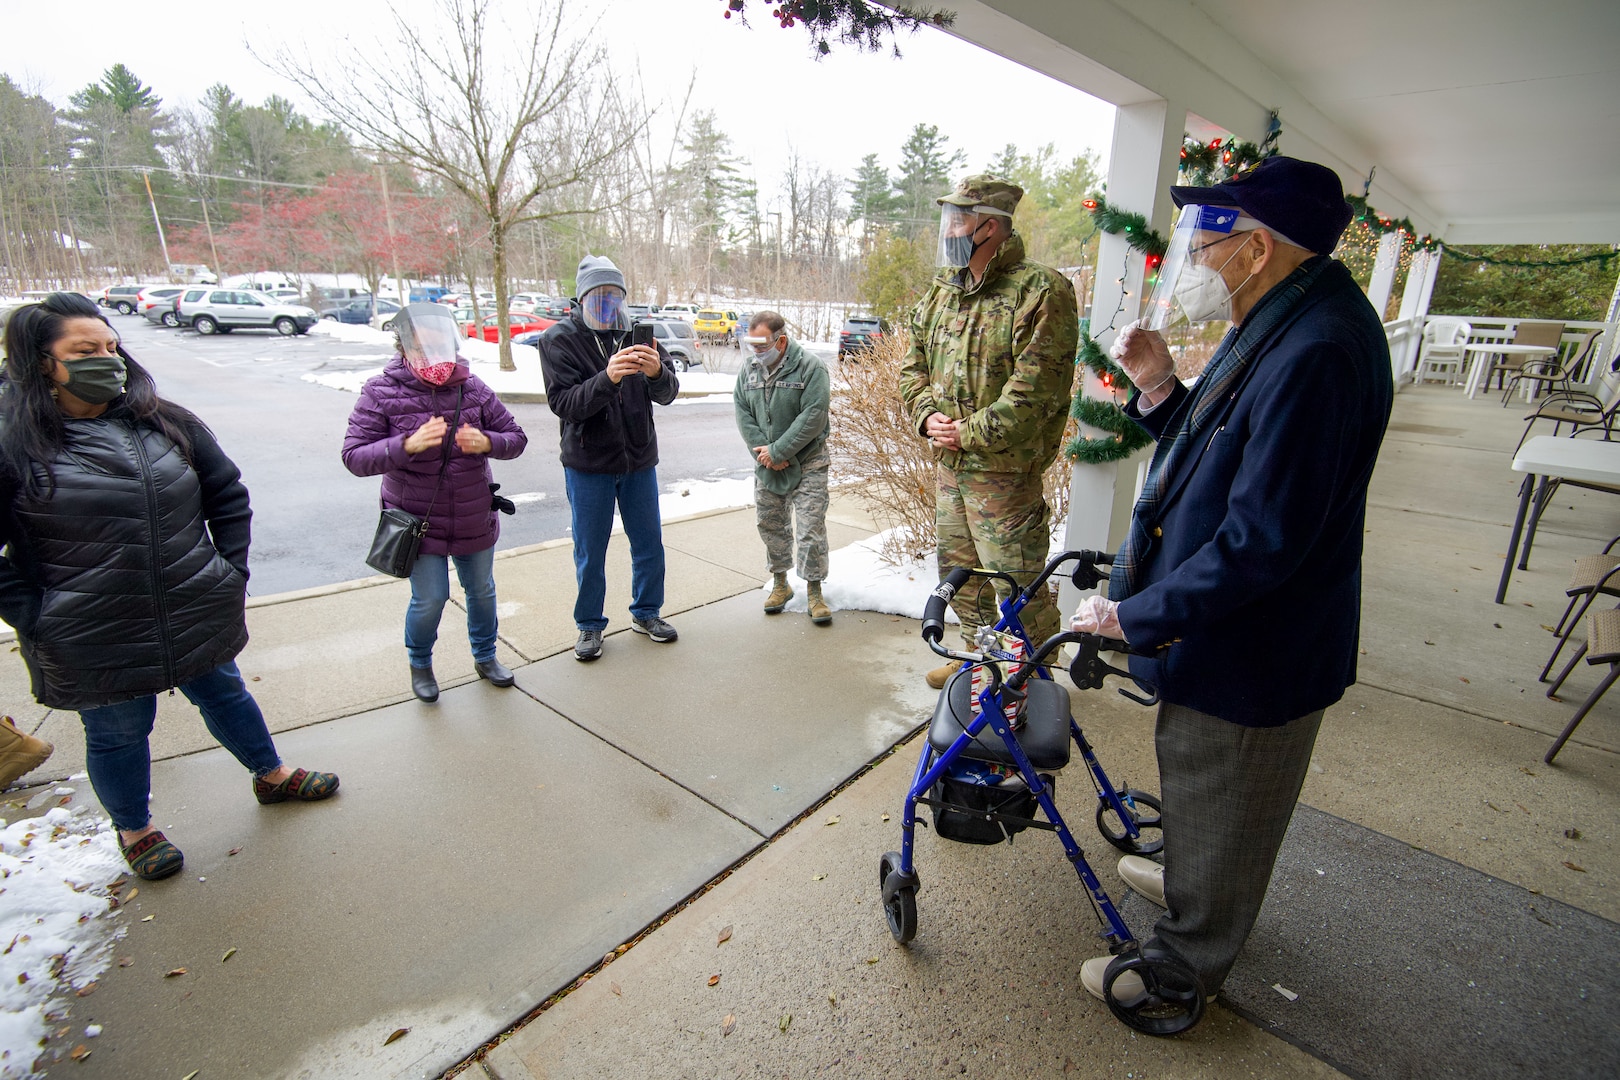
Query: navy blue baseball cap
(1300, 199)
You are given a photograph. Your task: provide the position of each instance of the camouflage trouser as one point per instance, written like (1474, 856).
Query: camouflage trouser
(998, 521)
(805, 507)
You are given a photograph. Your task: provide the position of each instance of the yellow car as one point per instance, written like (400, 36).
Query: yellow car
(718, 325)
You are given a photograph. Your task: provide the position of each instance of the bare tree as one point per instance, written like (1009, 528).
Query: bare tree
(497, 115)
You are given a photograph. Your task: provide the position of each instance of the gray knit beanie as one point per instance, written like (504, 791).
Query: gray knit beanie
(594, 272)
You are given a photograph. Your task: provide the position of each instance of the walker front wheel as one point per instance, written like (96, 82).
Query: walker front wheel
(1146, 813)
(899, 897)
(1153, 992)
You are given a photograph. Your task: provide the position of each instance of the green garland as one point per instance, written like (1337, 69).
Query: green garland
(1604, 257)
(1220, 160)
(1126, 436)
(1139, 235)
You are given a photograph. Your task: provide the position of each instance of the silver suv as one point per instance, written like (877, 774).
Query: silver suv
(219, 311)
(679, 340)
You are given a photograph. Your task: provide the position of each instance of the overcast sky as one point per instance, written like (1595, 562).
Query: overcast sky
(766, 91)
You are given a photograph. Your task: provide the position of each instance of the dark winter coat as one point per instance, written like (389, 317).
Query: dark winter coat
(1255, 568)
(391, 407)
(129, 578)
(605, 428)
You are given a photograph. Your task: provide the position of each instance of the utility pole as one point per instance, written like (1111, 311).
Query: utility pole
(146, 174)
(777, 285)
(388, 216)
(219, 271)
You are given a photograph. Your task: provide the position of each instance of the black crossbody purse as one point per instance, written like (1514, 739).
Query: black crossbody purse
(399, 533)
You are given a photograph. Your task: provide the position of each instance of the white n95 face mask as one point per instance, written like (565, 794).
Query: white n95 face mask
(1202, 295)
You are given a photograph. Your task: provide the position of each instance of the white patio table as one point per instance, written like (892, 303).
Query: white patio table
(1586, 462)
(1487, 349)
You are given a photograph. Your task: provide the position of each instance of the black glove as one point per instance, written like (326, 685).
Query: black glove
(500, 502)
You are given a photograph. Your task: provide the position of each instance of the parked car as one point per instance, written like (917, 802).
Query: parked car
(713, 324)
(638, 311)
(679, 340)
(518, 322)
(527, 301)
(165, 311)
(156, 296)
(121, 298)
(427, 294)
(859, 333)
(557, 310)
(687, 313)
(359, 312)
(218, 311)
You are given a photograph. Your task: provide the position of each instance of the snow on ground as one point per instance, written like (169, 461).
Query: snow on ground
(859, 579)
(484, 358)
(55, 922)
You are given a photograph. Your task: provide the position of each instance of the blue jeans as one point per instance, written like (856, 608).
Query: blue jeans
(430, 591)
(591, 499)
(120, 761)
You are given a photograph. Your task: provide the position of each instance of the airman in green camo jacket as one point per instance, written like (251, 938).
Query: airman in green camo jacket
(987, 381)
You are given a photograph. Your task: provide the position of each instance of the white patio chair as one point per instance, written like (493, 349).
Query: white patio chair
(1442, 353)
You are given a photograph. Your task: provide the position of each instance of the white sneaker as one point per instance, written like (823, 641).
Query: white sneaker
(1145, 878)
(1127, 988)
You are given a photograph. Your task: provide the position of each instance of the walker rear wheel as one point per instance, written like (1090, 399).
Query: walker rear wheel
(1148, 815)
(1171, 998)
(899, 897)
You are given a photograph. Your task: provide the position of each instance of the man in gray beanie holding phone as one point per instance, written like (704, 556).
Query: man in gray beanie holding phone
(602, 386)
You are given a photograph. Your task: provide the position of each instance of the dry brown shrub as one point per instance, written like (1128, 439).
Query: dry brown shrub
(886, 464)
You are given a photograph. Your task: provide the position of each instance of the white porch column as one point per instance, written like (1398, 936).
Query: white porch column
(1414, 306)
(1142, 165)
(1383, 275)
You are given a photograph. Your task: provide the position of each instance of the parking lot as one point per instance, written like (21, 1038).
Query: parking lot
(312, 519)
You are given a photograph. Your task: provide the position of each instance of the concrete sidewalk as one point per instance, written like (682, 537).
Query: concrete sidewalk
(488, 851)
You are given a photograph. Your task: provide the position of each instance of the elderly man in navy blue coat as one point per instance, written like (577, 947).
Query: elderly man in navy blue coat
(1244, 552)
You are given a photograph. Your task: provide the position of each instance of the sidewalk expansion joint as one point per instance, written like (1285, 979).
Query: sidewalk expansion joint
(1485, 717)
(474, 1060)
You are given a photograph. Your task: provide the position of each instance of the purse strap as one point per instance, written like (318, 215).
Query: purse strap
(444, 461)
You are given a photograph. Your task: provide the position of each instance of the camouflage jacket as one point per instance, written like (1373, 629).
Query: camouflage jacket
(998, 355)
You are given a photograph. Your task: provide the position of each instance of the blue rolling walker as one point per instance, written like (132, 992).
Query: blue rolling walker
(975, 739)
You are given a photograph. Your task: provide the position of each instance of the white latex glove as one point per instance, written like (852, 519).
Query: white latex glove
(1097, 615)
(1144, 356)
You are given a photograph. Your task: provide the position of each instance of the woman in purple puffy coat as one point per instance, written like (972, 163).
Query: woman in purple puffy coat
(405, 427)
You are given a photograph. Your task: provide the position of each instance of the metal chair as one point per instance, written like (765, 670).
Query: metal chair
(1528, 332)
(1602, 647)
(1551, 373)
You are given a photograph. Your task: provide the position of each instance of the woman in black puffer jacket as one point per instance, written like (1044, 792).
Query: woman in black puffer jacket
(125, 531)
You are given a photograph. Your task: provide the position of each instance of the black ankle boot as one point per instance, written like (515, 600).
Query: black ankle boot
(423, 684)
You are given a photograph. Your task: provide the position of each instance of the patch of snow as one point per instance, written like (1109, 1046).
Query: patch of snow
(54, 872)
(858, 578)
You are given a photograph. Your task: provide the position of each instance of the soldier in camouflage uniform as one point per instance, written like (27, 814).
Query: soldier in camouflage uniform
(781, 399)
(987, 381)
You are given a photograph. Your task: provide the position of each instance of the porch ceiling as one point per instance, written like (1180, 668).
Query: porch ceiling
(1488, 120)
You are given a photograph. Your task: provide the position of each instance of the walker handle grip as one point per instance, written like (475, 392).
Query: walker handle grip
(933, 623)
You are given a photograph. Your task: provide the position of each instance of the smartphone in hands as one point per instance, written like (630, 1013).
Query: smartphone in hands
(642, 334)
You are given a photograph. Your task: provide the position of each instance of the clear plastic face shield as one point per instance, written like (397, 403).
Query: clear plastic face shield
(764, 345)
(428, 337)
(1190, 287)
(962, 231)
(603, 308)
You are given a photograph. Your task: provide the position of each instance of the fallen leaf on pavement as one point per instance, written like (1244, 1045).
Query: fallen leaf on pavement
(86, 990)
(147, 918)
(125, 961)
(234, 851)
(79, 1053)
(728, 1024)
(1464, 678)
(133, 893)
(613, 986)
(818, 877)
(398, 1033)
(1577, 867)
(885, 817)
(230, 952)
(192, 1075)
(173, 973)
(873, 959)
(1573, 834)
(832, 999)
(833, 820)
(714, 980)
(725, 936)
(1285, 992)
(782, 1024)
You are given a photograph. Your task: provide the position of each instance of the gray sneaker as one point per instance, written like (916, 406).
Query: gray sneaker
(589, 645)
(655, 628)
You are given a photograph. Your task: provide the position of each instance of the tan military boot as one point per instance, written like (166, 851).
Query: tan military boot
(942, 675)
(781, 593)
(20, 752)
(820, 613)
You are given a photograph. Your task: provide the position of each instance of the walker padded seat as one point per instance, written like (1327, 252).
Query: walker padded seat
(1044, 736)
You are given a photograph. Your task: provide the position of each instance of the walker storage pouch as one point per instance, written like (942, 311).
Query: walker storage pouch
(974, 790)
(398, 540)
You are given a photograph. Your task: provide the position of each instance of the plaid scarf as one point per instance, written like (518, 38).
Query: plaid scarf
(1225, 369)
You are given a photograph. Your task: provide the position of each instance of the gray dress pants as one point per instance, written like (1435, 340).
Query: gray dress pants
(1228, 793)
